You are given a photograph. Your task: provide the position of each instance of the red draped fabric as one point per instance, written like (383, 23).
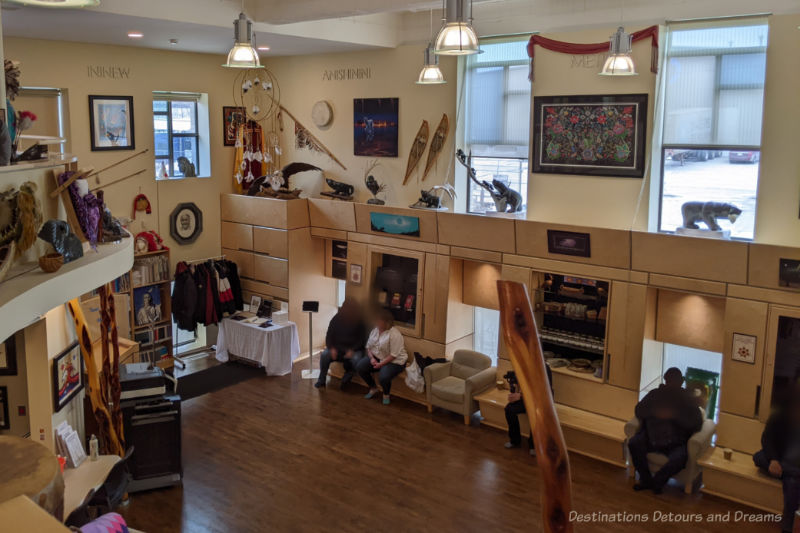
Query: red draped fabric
(593, 48)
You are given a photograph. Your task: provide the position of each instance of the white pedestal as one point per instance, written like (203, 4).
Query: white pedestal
(724, 234)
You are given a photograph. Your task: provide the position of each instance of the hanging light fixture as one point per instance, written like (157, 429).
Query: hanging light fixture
(430, 73)
(457, 36)
(243, 55)
(619, 61)
(58, 3)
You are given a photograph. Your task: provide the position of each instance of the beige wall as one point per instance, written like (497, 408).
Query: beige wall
(65, 65)
(393, 75)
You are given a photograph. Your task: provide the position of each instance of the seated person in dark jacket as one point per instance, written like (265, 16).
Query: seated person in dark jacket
(780, 454)
(516, 407)
(669, 416)
(344, 342)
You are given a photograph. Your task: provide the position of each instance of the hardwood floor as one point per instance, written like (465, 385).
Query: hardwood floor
(275, 454)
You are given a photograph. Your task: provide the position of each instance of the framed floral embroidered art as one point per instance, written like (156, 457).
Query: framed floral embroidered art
(600, 135)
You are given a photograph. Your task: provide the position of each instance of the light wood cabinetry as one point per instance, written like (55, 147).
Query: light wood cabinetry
(436, 296)
(271, 241)
(782, 327)
(742, 385)
(629, 322)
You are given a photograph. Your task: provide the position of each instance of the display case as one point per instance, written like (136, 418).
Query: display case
(396, 284)
(572, 313)
(782, 366)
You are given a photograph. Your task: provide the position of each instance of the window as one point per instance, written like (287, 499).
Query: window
(713, 103)
(497, 125)
(487, 332)
(180, 130)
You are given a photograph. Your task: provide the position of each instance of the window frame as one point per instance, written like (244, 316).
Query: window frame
(518, 160)
(718, 54)
(171, 135)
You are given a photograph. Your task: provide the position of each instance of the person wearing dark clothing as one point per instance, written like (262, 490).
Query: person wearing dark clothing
(516, 407)
(779, 456)
(669, 416)
(344, 342)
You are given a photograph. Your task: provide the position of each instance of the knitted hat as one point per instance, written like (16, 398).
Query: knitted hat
(141, 203)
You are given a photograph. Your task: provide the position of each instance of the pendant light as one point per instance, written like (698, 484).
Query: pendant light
(243, 55)
(58, 3)
(457, 36)
(430, 74)
(620, 62)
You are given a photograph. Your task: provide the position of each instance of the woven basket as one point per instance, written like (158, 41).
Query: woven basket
(51, 262)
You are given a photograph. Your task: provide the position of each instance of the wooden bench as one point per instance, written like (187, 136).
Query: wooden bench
(739, 480)
(399, 387)
(597, 436)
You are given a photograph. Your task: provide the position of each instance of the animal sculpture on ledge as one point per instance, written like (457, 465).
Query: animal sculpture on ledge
(708, 213)
(505, 200)
(276, 185)
(341, 191)
(59, 234)
(429, 199)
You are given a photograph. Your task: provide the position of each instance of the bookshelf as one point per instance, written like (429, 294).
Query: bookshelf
(147, 286)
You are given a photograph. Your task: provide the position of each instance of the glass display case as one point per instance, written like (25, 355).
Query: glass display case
(783, 358)
(397, 286)
(571, 313)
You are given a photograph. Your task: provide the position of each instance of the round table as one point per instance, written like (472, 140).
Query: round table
(31, 469)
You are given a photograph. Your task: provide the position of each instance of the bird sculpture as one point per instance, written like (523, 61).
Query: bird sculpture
(372, 184)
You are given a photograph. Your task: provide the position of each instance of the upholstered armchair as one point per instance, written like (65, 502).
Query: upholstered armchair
(453, 385)
(698, 444)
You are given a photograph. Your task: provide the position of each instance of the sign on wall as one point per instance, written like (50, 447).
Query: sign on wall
(110, 72)
(347, 74)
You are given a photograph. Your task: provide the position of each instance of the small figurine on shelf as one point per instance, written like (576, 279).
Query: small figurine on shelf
(341, 191)
(276, 184)
(372, 184)
(429, 199)
(708, 213)
(60, 236)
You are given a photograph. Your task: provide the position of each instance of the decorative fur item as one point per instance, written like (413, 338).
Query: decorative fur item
(285, 173)
(30, 214)
(153, 239)
(59, 234)
(708, 213)
(5, 143)
(505, 200)
(12, 78)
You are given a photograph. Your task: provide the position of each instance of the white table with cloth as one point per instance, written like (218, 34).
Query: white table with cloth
(274, 347)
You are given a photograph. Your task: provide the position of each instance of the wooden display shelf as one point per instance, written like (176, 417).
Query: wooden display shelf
(154, 252)
(162, 322)
(580, 375)
(152, 283)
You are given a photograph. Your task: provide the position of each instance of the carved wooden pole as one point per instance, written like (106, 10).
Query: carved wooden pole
(522, 340)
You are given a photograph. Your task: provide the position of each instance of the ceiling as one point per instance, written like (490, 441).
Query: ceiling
(294, 27)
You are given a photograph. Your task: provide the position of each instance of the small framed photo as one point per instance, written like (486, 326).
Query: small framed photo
(568, 243)
(232, 117)
(8, 357)
(355, 274)
(744, 348)
(67, 376)
(255, 303)
(5, 420)
(789, 273)
(111, 123)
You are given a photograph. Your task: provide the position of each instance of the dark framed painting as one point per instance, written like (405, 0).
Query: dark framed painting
(394, 224)
(186, 223)
(789, 273)
(8, 357)
(376, 126)
(600, 135)
(5, 419)
(568, 243)
(111, 123)
(232, 117)
(67, 376)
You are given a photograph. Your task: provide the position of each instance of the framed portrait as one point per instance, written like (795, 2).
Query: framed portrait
(186, 223)
(744, 348)
(5, 419)
(255, 303)
(569, 243)
(601, 135)
(8, 357)
(111, 123)
(376, 126)
(67, 376)
(147, 305)
(355, 274)
(232, 117)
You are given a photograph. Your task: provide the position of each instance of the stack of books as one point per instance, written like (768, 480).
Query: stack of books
(152, 269)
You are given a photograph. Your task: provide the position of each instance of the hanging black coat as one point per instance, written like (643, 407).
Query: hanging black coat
(184, 298)
(236, 284)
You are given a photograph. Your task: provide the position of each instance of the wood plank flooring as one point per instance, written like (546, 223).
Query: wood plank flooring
(275, 454)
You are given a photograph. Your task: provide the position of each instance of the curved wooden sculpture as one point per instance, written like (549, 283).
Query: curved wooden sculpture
(437, 144)
(417, 148)
(522, 340)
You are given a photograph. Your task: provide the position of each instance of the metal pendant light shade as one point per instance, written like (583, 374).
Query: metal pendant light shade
(430, 74)
(243, 55)
(457, 36)
(620, 62)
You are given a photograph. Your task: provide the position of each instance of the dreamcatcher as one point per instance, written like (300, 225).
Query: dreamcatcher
(258, 151)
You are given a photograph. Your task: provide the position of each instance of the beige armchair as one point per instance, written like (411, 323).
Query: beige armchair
(698, 444)
(453, 385)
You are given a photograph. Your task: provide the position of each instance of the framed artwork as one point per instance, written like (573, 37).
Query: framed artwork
(232, 117)
(339, 249)
(568, 243)
(111, 122)
(8, 357)
(789, 273)
(744, 348)
(600, 135)
(186, 223)
(255, 302)
(394, 224)
(147, 305)
(355, 274)
(5, 420)
(339, 269)
(67, 376)
(375, 126)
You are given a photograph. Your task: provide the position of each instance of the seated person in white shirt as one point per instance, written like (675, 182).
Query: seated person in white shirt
(386, 355)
